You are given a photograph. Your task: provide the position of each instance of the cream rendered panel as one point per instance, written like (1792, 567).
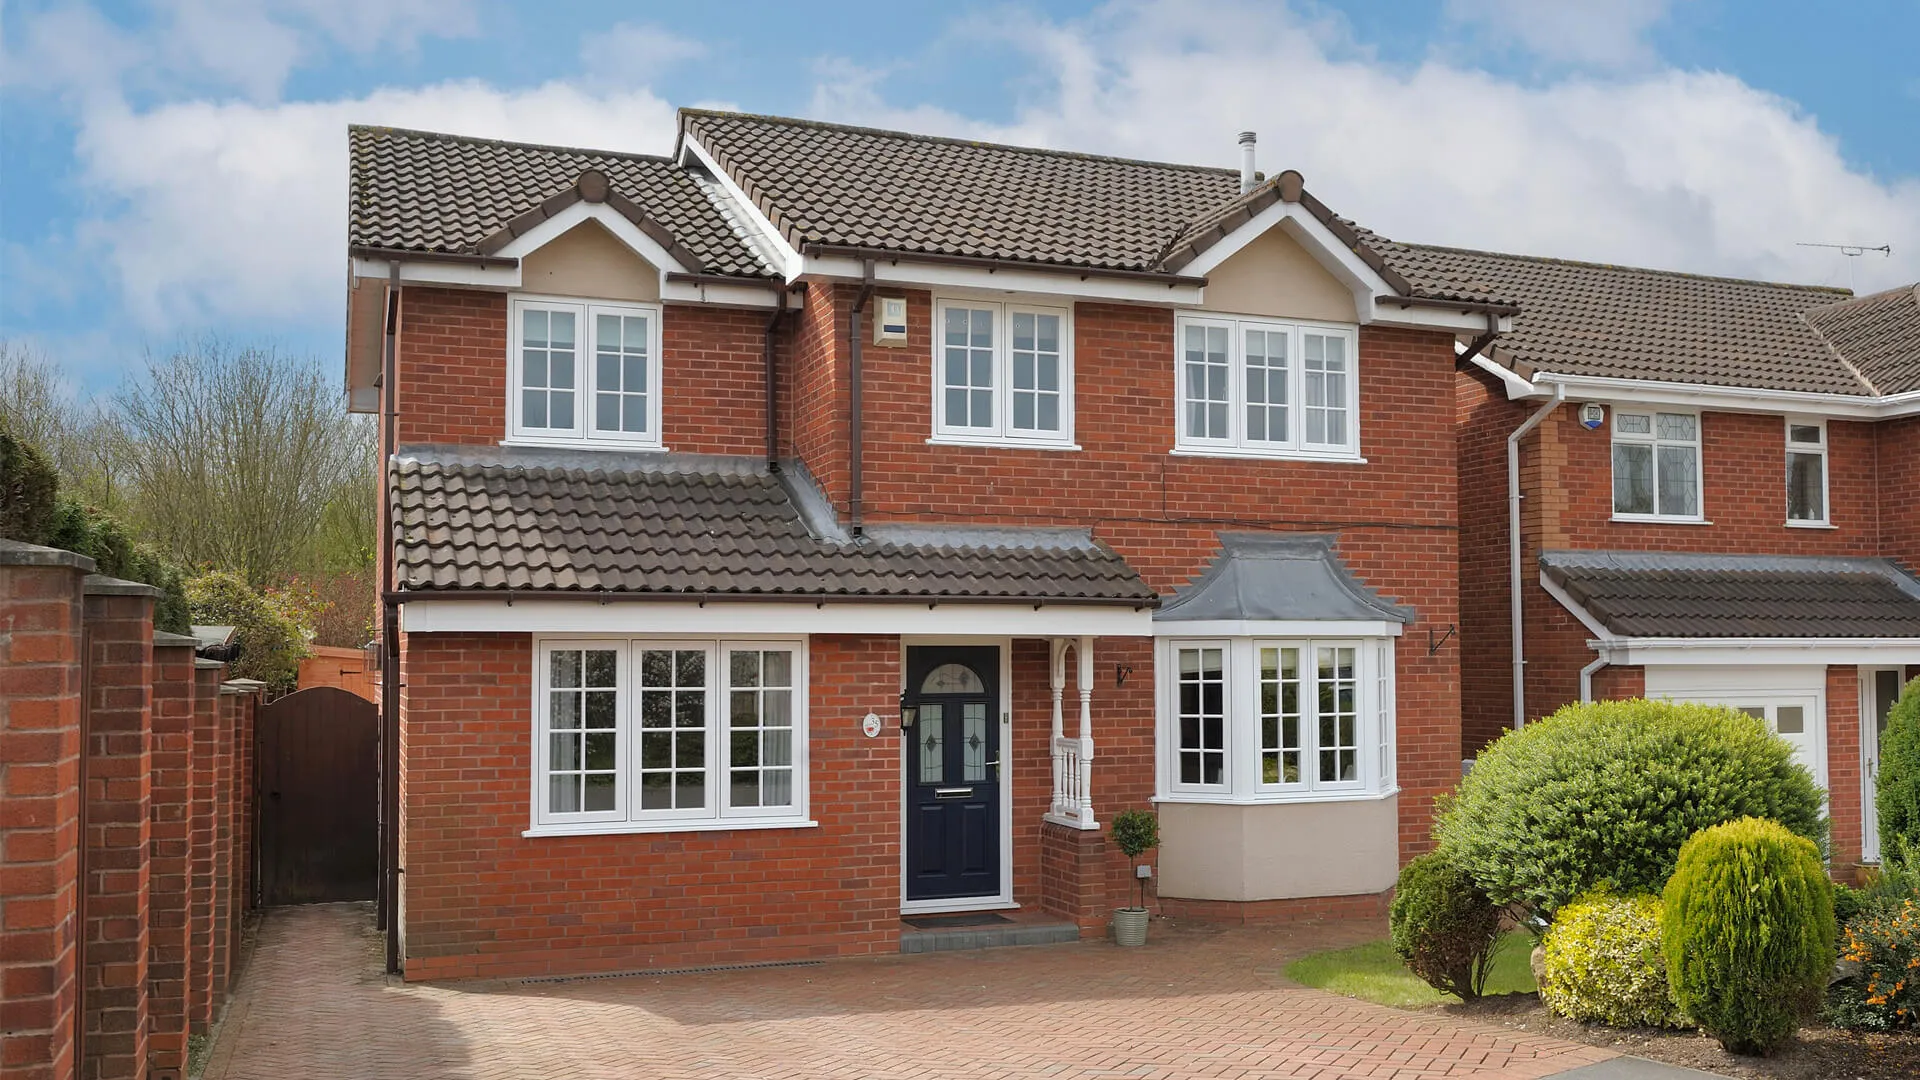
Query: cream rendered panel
(1275, 276)
(590, 262)
(1278, 851)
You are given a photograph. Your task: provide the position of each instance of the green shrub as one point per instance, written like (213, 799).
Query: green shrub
(27, 488)
(1602, 795)
(1748, 932)
(271, 641)
(1136, 832)
(1603, 963)
(1897, 785)
(1444, 927)
(1883, 992)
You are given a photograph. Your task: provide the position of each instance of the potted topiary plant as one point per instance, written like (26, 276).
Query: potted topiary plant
(1135, 832)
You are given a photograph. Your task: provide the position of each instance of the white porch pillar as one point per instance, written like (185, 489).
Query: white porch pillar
(1057, 682)
(1084, 801)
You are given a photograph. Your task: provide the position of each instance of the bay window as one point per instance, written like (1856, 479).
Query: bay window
(583, 373)
(1255, 719)
(1266, 388)
(641, 735)
(1656, 465)
(1002, 373)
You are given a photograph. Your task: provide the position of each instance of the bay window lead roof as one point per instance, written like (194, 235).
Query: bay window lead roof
(1279, 576)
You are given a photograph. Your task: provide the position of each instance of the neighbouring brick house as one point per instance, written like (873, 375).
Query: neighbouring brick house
(1151, 501)
(1718, 501)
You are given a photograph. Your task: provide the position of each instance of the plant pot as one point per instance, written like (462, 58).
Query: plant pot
(1130, 926)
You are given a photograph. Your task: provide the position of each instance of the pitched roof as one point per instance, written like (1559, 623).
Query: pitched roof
(1878, 335)
(1658, 594)
(675, 526)
(1264, 576)
(418, 191)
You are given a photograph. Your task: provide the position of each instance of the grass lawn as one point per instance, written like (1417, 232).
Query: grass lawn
(1371, 972)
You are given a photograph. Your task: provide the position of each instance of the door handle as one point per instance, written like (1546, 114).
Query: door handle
(952, 792)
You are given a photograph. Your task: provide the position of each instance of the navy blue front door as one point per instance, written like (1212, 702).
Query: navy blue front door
(953, 772)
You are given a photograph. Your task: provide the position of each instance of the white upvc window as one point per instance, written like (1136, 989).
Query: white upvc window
(1282, 719)
(1807, 502)
(1002, 373)
(654, 735)
(1268, 388)
(583, 374)
(1656, 466)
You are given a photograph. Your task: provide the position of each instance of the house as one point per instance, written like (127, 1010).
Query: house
(1700, 489)
(821, 526)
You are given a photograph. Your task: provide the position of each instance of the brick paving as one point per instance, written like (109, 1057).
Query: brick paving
(1199, 1002)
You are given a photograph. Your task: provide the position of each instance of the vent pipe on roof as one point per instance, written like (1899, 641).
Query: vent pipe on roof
(1247, 174)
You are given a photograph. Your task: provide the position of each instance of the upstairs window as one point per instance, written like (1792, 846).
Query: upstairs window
(1806, 473)
(1003, 373)
(584, 374)
(1656, 466)
(1266, 388)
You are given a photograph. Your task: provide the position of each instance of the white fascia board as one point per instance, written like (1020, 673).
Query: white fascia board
(1276, 628)
(540, 616)
(1309, 233)
(612, 220)
(1573, 608)
(902, 270)
(1725, 398)
(1517, 387)
(460, 275)
(790, 262)
(700, 292)
(1425, 317)
(1771, 652)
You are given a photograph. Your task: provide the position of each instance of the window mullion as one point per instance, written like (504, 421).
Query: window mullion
(1003, 371)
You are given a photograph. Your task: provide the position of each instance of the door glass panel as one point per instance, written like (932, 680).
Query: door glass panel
(952, 679)
(1886, 691)
(975, 742)
(1790, 720)
(931, 738)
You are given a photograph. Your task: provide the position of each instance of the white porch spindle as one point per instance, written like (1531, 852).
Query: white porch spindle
(1072, 757)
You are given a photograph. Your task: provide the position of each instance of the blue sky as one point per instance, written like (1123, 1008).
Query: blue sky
(170, 170)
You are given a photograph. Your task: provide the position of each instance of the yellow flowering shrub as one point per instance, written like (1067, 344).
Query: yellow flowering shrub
(1884, 992)
(1603, 963)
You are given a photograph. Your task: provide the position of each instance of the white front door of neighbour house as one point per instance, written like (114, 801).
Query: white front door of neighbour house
(1791, 699)
(1879, 689)
(1794, 720)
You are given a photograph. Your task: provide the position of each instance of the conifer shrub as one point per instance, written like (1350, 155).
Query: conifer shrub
(1444, 927)
(1748, 932)
(1602, 795)
(1603, 963)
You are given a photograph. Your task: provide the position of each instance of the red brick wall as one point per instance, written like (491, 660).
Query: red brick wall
(815, 370)
(206, 709)
(1619, 683)
(40, 680)
(172, 796)
(1843, 765)
(1899, 490)
(481, 899)
(1485, 417)
(453, 373)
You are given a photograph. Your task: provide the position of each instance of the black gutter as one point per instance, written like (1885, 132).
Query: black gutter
(854, 424)
(983, 263)
(1479, 344)
(773, 400)
(509, 595)
(484, 262)
(682, 277)
(1459, 305)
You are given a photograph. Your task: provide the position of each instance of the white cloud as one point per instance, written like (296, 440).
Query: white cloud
(633, 54)
(1605, 33)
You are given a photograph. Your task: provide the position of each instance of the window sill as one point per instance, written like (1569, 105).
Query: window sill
(1267, 799)
(1268, 455)
(1001, 444)
(1811, 525)
(623, 828)
(585, 444)
(1654, 519)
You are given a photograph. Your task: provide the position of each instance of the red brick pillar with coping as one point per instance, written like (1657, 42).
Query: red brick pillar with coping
(40, 704)
(171, 841)
(1843, 770)
(247, 804)
(1073, 875)
(223, 854)
(119, 620)
(206, 708)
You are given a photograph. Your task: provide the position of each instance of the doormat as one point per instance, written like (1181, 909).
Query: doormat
(948, 922)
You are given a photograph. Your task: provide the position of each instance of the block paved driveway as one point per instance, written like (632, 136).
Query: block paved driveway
(1195, 1003)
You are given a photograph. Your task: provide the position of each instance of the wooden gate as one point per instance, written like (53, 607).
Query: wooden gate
(319, 798)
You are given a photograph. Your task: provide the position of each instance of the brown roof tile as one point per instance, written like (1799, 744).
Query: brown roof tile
(466, 524)
(1878, 335)
(1656, 594)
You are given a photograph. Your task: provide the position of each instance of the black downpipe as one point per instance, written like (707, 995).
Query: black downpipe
(773, 402)
(389, 907)
(854, 422)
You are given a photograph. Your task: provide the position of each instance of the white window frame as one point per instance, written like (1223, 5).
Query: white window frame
(1375, 721)
(717, 812)
(583, 433)
(1820, 450)
(1002, 433)
(1237, 443)
(1652, 439)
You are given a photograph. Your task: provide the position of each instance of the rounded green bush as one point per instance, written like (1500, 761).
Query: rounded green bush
(1748, 932)
(1896, 791)
(1444, 927)
(1603, 963)
(1602, 795)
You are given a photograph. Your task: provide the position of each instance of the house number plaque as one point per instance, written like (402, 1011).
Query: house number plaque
(870, 725)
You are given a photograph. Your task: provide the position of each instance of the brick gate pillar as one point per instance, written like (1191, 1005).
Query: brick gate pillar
(40, 682)
(119, 618)
(171, 845)
(206, 708)
(226, 719)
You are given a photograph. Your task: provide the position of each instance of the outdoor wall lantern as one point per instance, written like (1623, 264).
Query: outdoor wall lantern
(908, 713)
